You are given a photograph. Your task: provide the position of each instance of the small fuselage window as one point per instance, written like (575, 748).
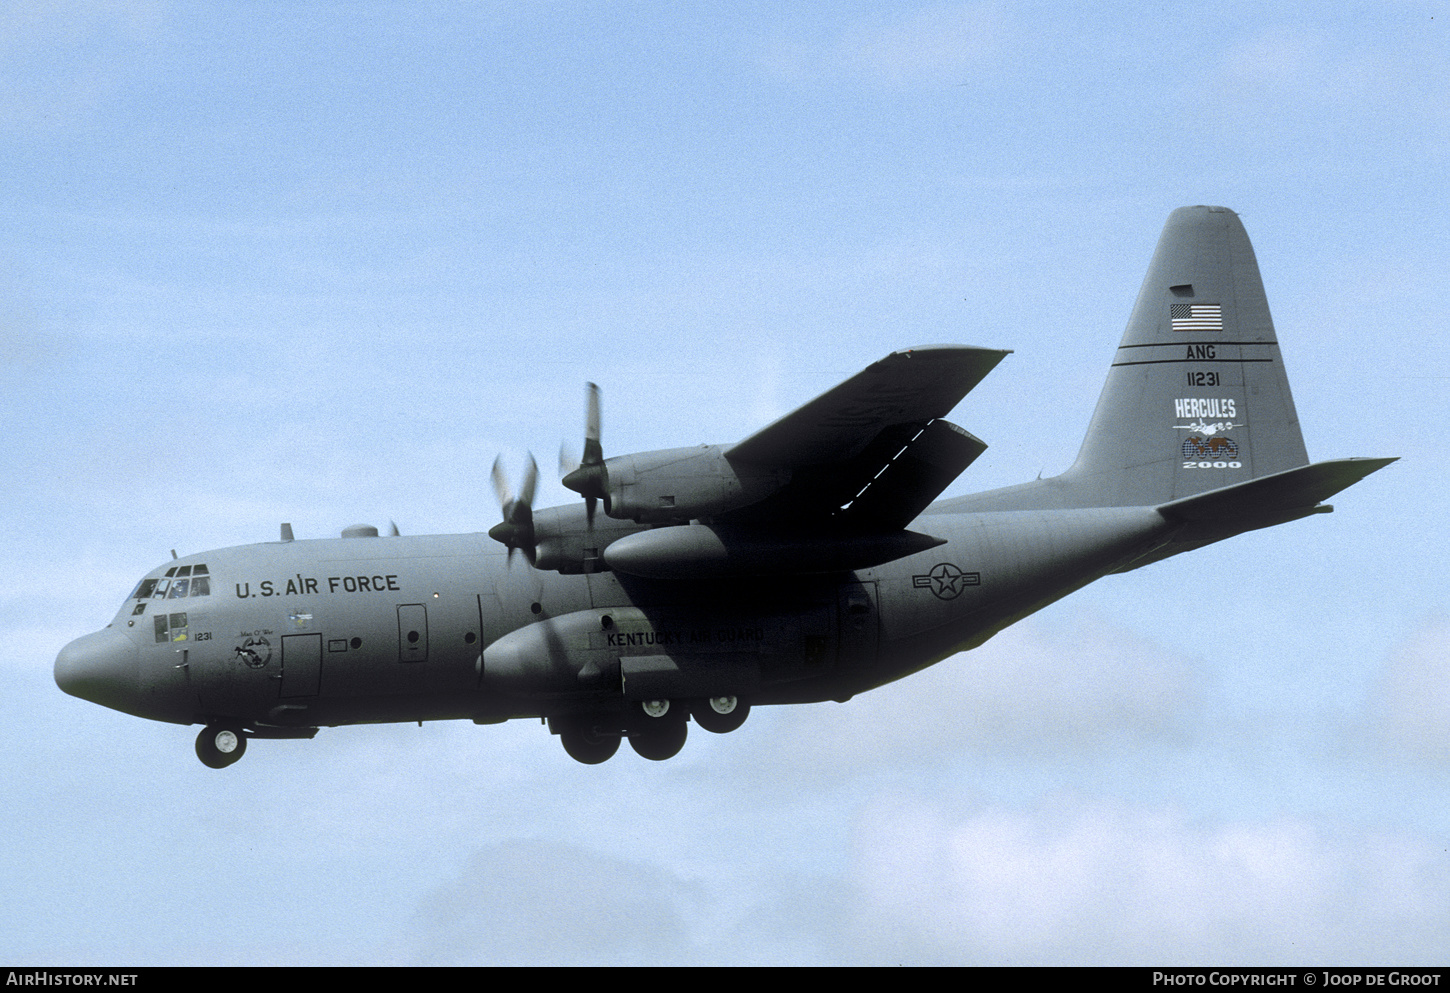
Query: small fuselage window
(170, 627)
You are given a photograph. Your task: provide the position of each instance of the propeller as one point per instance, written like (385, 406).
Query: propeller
(590, 478)
(516, 531)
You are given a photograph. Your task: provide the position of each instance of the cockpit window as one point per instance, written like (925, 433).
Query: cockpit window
(179, 582)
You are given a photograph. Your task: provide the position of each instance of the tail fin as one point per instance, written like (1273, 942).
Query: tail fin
(1196, 398)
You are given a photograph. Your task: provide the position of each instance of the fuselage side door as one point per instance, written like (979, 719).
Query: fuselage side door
(412, 632)
(301, 665)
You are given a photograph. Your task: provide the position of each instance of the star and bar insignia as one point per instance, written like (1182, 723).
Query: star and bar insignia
(946, 581)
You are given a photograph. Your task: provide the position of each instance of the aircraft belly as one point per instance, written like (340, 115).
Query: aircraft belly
(333, 711)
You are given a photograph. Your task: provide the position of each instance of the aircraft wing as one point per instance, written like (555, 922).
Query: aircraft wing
(873, 452)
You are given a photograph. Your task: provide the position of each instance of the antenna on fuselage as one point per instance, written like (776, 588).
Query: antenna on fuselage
(286, 532)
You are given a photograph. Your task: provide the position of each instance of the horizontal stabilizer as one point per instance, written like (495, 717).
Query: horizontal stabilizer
(1267, 496)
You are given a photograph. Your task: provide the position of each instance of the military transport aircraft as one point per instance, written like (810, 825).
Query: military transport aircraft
(804, 563)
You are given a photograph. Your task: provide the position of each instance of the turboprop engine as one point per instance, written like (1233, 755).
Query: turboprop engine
(675, 485)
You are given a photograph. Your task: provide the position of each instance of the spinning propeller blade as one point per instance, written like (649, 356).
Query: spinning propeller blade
(516, 531)
(590, 479)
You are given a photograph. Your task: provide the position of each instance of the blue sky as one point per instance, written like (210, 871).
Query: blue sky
(321, 263)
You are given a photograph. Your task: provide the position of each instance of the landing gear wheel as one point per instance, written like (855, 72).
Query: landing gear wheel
(219, 745)
(585, 745)
(660, 732)
(720, 714)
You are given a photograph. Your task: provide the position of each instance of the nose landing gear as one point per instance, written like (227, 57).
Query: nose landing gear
(219, 745)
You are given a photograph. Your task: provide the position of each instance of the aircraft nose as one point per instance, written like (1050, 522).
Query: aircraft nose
(103, 668)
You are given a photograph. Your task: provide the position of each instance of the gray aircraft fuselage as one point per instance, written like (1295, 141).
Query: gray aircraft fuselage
(805, 563)
(372, 629)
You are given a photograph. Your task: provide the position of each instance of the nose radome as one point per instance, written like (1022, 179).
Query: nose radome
(103, 668)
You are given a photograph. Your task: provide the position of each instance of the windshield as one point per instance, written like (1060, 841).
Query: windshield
(180, 582)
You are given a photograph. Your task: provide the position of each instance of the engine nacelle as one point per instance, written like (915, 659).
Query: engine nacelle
(565, 542)
(682, 484)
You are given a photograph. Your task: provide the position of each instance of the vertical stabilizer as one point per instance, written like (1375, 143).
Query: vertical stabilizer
(1196, 398)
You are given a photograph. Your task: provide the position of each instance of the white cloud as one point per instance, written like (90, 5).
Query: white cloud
(1035, 689)
(1292, 73)
(1071, 881)
(1091, 882)
(947, 43)
(1415, 696)
(539, 902)
(1278, 61)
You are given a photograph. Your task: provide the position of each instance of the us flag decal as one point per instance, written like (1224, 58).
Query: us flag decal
(1196, 316)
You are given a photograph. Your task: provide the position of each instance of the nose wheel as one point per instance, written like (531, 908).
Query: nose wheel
(219, 745)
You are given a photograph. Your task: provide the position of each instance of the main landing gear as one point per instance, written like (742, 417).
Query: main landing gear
(720, 714)
(656, 729)
(219, 745)
(585, 740)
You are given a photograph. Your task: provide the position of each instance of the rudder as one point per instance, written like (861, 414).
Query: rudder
(1196, 397)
